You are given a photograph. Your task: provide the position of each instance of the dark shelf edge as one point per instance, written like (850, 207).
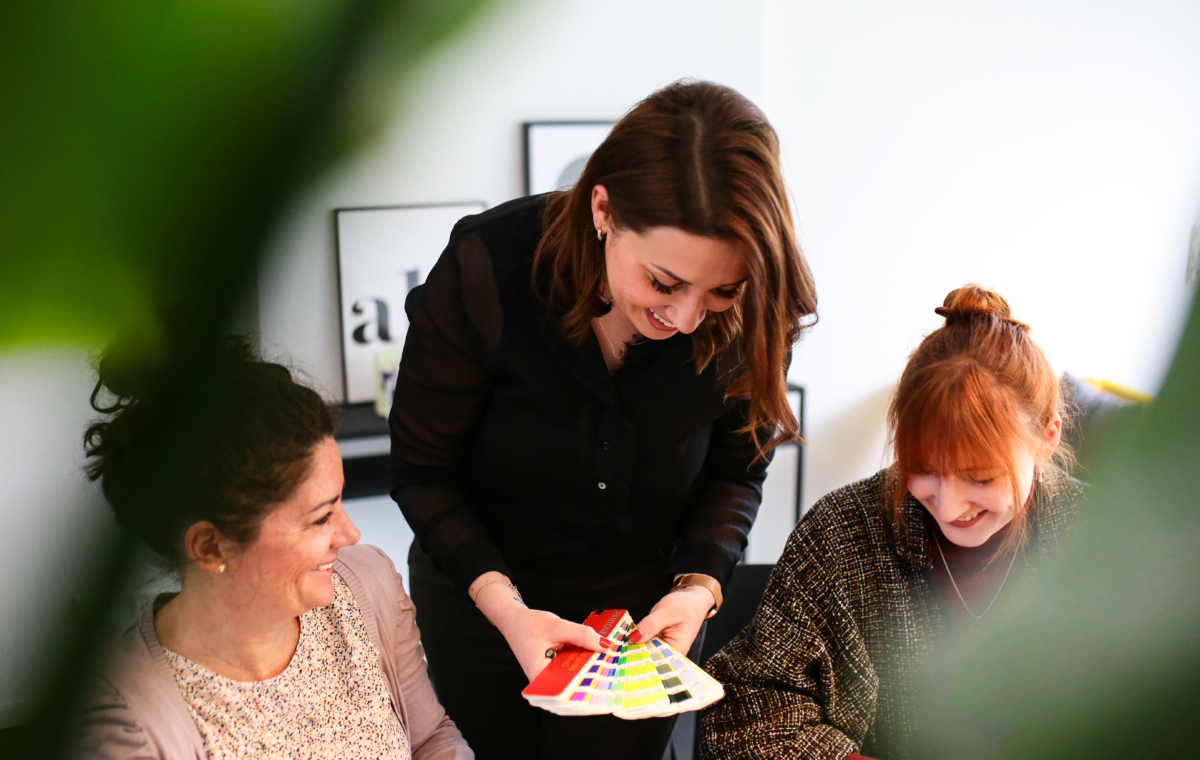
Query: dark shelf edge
(359, 421)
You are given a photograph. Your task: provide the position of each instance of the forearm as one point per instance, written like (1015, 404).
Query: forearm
(447, 525)
(445, 743)
(716, 529)
(795, 681)
(717, 524)
(442, 390)
(495, 596)
(531, 634)
(432, 735)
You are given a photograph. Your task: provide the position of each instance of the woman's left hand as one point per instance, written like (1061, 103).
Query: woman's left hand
(677, 618)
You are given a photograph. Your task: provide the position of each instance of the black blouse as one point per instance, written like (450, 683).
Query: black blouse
(513, 447)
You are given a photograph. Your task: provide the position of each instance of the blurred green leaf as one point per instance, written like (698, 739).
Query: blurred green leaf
(147, 148)
(1100, 657)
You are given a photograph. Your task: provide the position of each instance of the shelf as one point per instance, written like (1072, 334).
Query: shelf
(360, 421)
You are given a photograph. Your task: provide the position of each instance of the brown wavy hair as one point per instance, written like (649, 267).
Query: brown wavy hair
(703, 159)
(227, 443)
(973, 388)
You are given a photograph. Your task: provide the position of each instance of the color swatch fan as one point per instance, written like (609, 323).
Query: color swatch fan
(646, 680)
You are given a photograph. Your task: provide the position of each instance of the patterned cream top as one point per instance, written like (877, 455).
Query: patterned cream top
(332, 700)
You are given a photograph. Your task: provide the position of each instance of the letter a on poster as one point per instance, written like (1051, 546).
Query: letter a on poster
(383, 253)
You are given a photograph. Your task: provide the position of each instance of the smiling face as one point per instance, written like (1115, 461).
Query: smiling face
(971, 504)
(665, 280)
(289, 566)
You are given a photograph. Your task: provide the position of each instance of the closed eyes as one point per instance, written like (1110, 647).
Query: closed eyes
(662, 287)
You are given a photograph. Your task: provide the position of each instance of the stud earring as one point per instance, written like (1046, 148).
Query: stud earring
(221, 568)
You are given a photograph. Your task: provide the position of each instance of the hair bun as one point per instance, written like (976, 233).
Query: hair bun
(966, 304)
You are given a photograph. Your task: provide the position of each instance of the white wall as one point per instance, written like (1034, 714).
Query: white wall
(50, 513)
(382, 525)
(1047, 149)
(457, 133)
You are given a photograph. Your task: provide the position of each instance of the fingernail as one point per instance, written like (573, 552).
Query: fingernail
(636, 636)
(605, 643)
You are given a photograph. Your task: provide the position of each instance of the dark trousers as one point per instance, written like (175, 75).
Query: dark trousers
(479, 681)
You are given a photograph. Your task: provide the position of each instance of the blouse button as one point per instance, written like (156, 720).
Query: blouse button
(605, 446)
(601, 486)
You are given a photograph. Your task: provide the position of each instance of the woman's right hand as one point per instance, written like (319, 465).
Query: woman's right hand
(530, 633)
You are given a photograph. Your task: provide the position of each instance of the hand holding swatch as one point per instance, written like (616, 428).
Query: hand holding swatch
(644, 680)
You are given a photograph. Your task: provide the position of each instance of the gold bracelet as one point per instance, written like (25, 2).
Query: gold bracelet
(703, 581)
(507, 584)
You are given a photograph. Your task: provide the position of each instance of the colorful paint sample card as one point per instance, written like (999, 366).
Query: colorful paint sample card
(687, 686)
(643, 680)
(577, 681)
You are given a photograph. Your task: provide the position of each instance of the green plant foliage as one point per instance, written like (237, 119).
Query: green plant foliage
(148, 145)
(146, 149)
(1100, 657)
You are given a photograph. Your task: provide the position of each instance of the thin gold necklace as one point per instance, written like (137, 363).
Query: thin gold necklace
(955, 585)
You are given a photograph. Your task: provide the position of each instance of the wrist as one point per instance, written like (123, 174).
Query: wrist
(499, 602)
(692, 581)
(491, 577)
(697, 597)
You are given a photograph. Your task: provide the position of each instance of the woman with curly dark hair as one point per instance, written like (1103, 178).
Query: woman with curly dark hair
(285, 639)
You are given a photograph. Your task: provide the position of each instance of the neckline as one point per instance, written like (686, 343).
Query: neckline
(968, 557)
(166, 654)
(209, 673)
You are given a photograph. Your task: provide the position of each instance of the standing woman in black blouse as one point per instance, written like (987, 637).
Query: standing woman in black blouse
(591, 387)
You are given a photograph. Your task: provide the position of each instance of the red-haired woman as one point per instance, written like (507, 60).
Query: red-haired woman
(879, 576)
(591, 386)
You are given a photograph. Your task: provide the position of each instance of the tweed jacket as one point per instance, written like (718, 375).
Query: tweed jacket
(849, 620)
(136, 711)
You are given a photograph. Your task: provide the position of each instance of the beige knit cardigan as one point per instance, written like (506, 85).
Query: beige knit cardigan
(136, 711)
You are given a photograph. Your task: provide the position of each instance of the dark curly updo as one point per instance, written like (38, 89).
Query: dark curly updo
(228, 442)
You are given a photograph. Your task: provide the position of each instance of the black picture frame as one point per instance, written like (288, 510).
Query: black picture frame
(530, 130)
(800, 446)
(432, 242)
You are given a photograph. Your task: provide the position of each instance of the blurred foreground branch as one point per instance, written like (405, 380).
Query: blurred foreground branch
(148, 150)
(1101, 657)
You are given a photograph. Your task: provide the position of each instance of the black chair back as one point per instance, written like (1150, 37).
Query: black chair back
(742, 598)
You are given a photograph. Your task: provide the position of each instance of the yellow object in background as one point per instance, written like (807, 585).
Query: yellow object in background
(1121, 391)
(387, 365)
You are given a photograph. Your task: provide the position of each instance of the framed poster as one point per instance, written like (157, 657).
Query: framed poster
(782, 496)
(557, 151)
(382, 254)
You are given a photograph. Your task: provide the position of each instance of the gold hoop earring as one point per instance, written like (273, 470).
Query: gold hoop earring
(599, 234)
(221, 568)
